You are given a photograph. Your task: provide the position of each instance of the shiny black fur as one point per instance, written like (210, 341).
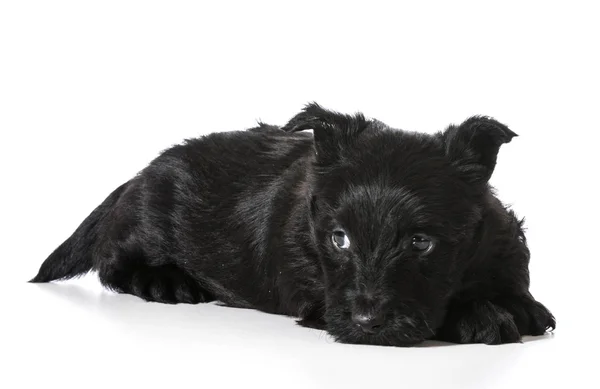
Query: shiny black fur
(246, 218)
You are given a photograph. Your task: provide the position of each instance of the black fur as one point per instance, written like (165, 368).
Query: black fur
(247, 218)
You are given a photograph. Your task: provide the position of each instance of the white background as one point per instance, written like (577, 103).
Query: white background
(90, 92)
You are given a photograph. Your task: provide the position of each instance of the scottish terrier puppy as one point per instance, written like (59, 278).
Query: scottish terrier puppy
(376, 235)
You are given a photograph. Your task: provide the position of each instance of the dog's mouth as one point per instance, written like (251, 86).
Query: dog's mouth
(397, 330)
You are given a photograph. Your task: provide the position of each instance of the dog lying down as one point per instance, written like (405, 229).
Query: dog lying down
(376, 235)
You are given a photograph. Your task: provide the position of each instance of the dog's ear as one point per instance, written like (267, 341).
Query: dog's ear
(333, 131)
(473, 146)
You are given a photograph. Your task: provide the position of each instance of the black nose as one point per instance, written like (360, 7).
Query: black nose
(368, 323)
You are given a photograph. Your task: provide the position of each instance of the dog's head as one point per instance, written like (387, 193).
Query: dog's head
(394, 215)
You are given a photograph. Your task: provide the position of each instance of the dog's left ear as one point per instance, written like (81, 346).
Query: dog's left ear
(333, 132)
(473, 146)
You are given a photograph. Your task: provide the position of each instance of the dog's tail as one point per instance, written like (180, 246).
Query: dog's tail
(74, 256)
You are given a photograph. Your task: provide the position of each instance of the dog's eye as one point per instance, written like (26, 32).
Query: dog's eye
(422, 244)
(340, 239)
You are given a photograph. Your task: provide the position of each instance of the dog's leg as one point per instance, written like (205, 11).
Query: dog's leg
(530, 316)
(165, 283)
(314, 319)
(479, 322)
(501, 320)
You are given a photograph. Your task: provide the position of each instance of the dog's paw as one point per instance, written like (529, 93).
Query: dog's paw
(313, 319)
(311, 323)
(541, 320)
(479, 322)
(164, 284)
(531, 316)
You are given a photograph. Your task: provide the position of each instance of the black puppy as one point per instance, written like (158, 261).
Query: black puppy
(377, 235)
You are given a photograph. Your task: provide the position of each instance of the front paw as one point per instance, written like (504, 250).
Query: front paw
(479, 322)
(308, 323)
(531, 316)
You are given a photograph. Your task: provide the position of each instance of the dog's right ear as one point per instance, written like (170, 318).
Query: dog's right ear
(333, 131)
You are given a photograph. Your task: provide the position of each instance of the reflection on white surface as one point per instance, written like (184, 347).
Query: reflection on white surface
(80, 331)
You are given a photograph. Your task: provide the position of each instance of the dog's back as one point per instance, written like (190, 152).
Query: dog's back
(201, 222)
